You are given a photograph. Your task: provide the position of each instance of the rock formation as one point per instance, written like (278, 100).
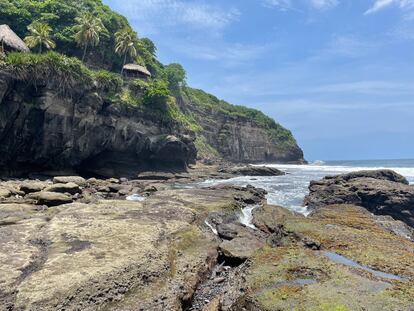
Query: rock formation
(41, 130)
(382, 192)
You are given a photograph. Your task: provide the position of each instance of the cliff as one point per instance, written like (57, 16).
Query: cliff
(238, 133)
(42, 130)
(57, 115)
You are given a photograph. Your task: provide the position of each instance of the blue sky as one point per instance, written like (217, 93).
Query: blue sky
(338, 73)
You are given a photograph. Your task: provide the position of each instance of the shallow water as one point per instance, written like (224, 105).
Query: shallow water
(290, 190)
(350, 263)
(246, 216)
(211, 227)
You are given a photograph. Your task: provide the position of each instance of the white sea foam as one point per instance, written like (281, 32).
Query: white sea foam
(211, 227)
(246, 216)
(135, 197)
(290, 190)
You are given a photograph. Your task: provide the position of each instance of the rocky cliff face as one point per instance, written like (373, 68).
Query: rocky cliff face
(42, 130)
(240, 139)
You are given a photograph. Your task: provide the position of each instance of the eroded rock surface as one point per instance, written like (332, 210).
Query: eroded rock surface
(382, 192)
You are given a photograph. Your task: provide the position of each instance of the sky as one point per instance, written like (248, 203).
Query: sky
(338, 73)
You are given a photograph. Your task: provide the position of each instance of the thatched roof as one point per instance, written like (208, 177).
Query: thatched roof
(10, 39)
(138, 68)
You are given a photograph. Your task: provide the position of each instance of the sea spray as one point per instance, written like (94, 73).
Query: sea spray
(135, 198)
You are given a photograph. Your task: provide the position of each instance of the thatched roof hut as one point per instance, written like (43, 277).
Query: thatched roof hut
(136, 71)
(9, 41)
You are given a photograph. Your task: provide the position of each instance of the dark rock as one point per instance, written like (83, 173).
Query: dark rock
(41, 130)
(250, 170)
(382, 192)
(376, 174)
(70, 188)
(150, 189)
(238, 139)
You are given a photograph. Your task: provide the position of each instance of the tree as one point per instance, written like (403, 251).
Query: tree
(148, 45)
(126, 45)
(39, 36)
(88, 31)
(176, 76)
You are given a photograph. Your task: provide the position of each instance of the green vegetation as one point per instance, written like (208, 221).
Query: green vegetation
(156, 94)
(88, 30)
(176, 76)
(60, 15)
(204, 149)
(69, 74)
(39, 36)
(125, 44)
(67, 25)
(277, 133)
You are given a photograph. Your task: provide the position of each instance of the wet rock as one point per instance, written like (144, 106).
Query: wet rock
(250, 170)
(70, 188)
(50, 198)
(32, 186)
(155, 176)
(382, 192)
(80, 181)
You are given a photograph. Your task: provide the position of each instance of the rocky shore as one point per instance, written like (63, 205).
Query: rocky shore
(70, 243)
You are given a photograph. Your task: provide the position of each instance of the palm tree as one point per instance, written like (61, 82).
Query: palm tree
(126, 45)
(88, 30)
(39, 36)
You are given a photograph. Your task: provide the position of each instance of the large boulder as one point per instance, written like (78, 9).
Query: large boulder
(32, 186)
(50, 198)
(240, 248)
(382, 192)
(70, 188)
(80, 181)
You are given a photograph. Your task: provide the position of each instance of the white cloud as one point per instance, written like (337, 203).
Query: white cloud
(168, 13)
(382, 4)
(226, 54)
(324, 4)
(287, 5)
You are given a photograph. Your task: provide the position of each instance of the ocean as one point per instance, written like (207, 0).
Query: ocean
(290, 190)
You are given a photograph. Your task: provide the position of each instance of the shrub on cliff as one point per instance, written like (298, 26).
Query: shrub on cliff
(156, 95)
(108, 82)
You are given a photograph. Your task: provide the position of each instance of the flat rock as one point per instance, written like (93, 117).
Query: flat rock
(382, 192)
(50, 198)
(32, 186)
(80, 181)
(69, 187)
(240, 248)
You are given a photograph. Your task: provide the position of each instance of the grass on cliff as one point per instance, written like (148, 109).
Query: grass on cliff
(277, 133)
(67, 74)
